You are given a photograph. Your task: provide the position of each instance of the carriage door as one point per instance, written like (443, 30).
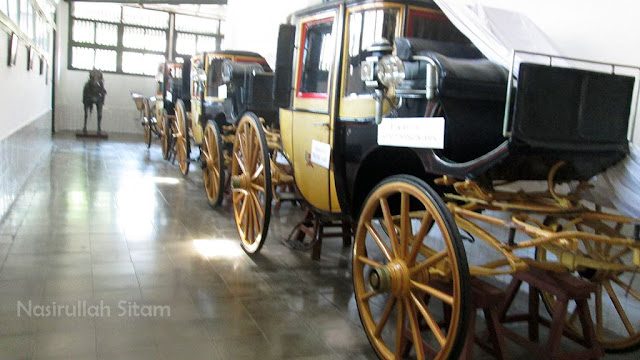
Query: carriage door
(312, 117)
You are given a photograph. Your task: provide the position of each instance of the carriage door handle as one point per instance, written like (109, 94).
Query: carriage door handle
(323, 124)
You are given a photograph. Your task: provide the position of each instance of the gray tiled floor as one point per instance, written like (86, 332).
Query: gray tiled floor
(111, 222)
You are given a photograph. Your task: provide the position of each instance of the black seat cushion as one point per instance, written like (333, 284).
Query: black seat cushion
(478, 79)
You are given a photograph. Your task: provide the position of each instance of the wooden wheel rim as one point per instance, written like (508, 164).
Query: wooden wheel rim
(182, 143)
(147, 123)
(165, 137)
(612, 292)
(251, 200)
(213, 172)
(403, 294)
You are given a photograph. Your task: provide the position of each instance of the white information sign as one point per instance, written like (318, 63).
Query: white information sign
(426, 133)
(320, 153)
(222, 91)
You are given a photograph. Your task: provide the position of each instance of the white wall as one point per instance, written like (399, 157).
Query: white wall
(24, 96)
(253, 24)
(119, 113)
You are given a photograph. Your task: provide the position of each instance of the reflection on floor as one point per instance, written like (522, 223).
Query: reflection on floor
(115, 235)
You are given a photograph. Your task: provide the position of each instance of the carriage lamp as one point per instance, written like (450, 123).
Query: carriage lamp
(367, 72)
(390, 71)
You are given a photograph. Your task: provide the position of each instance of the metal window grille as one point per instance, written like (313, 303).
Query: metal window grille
(138, 37)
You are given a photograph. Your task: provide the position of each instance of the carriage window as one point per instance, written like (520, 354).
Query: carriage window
(433, 25)
(317, 58)
(214, 80)
(365, 28)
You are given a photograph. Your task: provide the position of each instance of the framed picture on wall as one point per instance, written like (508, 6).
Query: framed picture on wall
(41, 64)
(13, 49)
(31, 54)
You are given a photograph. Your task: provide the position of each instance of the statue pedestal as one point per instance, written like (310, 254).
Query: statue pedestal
(92, 135)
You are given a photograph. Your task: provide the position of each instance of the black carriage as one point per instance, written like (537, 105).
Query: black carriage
(391, 116)
(225, 85)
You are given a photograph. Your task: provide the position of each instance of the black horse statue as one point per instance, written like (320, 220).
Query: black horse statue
(93, 93)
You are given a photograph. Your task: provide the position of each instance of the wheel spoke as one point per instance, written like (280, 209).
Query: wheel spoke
(599, 319)
(257, 172)
(376, 237)
(432, 260)
(257, 203)
(258, 219)
(446, 298)
(386, 313)
(369, 295)
(391, 230)
(425, 226)
(620, 254)
(240, 163)
(627, 288)
(257, 187)
(252, 223)
(415, 328)
(431, 322)
(405, 224)
(619, 309)
(366, 260)
(399, 330)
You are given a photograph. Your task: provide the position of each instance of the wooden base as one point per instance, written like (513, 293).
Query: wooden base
(92, 135)
(487, 298)
(313, 227)
(565, 288)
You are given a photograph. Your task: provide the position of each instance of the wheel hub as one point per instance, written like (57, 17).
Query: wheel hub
(392, 278)
(242, 181)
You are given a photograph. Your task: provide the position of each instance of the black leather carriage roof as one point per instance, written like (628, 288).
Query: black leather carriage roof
(237, 53)
(332, 4)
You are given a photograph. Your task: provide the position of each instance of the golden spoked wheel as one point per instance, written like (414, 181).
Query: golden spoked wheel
(146, 118)
(213, 161)
(166, 137)
(251, 183)
(615, 307)
(409, 263)
(182, 138)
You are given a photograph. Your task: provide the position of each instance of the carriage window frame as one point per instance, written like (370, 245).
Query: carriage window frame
(170, 33)
(304, 55)
(415, 14)
(352, 71)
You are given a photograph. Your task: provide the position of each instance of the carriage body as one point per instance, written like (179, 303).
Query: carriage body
(229, 83)
(555, 114)
(342, 123)
(172, 83)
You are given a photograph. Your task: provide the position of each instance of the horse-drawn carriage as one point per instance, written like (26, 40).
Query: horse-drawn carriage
(157, 113)
(421, 141)
(225, 86)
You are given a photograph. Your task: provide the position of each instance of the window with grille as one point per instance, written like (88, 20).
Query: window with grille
(117, 38)
(196, 35)
(125, 39)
